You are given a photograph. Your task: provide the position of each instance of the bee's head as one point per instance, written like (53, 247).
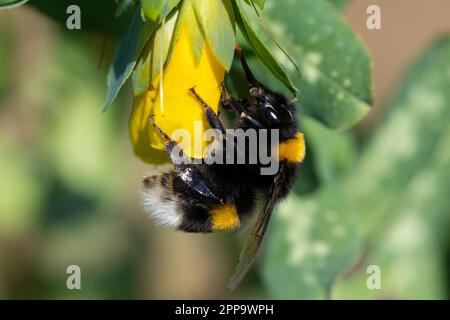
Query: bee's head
(265, 108)
(268, 109)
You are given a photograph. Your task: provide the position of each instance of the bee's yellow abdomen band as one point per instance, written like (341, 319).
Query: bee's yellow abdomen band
(224, 218)
(293, 150)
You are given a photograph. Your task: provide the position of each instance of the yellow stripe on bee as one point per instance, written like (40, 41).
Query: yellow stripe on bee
(293, 150)
(224, 218)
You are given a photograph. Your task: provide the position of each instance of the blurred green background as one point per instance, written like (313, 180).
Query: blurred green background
(378, 194)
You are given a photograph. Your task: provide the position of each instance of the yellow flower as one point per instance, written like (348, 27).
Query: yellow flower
(177, 107)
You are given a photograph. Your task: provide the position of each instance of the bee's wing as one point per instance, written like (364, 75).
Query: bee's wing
(251, 247)
(196, 182)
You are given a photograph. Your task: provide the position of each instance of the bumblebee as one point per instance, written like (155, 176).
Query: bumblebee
(220, 197)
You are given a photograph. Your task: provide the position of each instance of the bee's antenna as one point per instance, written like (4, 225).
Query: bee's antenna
(251, 80)
(267, 31)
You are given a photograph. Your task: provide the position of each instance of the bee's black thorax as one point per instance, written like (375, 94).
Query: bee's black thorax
(217, 197)
(265, 152)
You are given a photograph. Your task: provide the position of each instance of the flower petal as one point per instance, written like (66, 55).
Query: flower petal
(178, 108)
(138, 126)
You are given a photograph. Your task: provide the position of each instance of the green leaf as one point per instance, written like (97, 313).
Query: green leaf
(186, 15)
(398, 192)
(260, 49)
(405, 141)
(309, 244)
(127, 53)
(152, 8)
(194, 32)
(408, 251)
(410, 263)
(333, 152)
(259, 3)
(155, 9)
(217, 23)
(336, 86)
(123, 6)
(9, 4)
(148, 67)
(339, 4)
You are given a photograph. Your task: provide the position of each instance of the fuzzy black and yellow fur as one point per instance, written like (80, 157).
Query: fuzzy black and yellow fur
(219, 197)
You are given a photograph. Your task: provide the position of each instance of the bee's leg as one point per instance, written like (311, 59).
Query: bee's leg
(251, 81)
(160, 131)
(214, 121)
(187, 173)
(228, 101)
(212, 118)
(170, 145)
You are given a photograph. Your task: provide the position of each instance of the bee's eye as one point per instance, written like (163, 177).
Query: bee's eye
(270, 113)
